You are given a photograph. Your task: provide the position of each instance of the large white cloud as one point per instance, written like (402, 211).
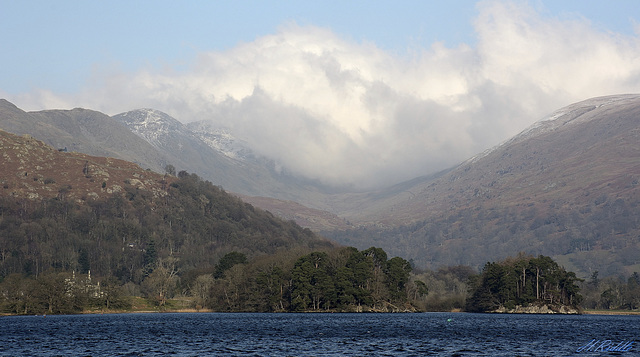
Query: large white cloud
(350, 113)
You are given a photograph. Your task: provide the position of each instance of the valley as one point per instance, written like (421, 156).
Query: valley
(567, 187)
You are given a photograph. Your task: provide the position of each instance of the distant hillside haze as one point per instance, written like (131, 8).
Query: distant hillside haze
(567, 187)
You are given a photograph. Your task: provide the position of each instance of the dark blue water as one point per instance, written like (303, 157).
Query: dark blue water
(428, 334)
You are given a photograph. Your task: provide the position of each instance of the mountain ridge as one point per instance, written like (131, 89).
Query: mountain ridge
(81, 130)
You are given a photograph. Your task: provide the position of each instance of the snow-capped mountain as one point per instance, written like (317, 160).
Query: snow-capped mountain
(153, 126)
(159, 129)
(184, 150)
(215, 154)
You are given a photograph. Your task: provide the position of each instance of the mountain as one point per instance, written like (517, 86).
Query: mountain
(221, 140)
(216, 155)
(56, 207)
(175, 142)
(567, 187)
(81, 130)
(154, 140)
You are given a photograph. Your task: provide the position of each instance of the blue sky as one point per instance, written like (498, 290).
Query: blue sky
(57, 44)
(358, 92)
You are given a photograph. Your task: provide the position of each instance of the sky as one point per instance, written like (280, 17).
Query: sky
(361, 93)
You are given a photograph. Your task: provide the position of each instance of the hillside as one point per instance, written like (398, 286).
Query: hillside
(566, 187)
(314, 219)
(73, 211)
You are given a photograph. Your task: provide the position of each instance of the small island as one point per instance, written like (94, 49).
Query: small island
(525, 285)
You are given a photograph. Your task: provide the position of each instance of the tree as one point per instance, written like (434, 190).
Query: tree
(376, 283)
(15, 294)
(397, 276)
(421, 289)
(83, 261)
(201, 289)
(228, 261)
(110, 295)
(150, 258)
(55, 293)
(170, 170)
(160, 283)
(273, 287)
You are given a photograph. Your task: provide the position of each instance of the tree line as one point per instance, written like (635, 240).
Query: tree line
(612, 293)
(341, 279)
(333, 279)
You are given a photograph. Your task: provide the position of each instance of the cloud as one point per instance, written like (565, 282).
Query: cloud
(344, 112)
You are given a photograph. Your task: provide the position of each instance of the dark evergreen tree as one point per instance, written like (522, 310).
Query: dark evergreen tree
(227, 262)
(83, 261)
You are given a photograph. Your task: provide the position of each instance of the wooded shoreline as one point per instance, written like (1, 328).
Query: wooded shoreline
(193, 310)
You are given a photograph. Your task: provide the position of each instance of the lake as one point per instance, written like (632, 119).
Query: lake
(247, 334)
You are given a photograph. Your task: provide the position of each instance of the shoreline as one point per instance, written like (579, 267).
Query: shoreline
(191, 310)
(610, 312)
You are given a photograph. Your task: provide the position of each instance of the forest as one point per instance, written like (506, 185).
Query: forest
(123, 236)
(340, 279)
(211, 251)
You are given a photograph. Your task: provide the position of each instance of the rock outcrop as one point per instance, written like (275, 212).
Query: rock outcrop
(539, 309)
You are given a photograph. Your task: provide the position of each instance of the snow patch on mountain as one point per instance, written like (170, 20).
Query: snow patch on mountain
(221, 140)
(159, 129)
(569, 115)
(152, 125)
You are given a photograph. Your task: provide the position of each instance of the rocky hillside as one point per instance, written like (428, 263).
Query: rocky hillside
(36, 171)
